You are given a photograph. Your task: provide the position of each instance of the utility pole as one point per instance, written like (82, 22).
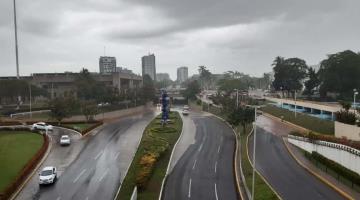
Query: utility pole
(237, 98)
(30, 100)
(295, 104)
(254, 153)
(16, 43)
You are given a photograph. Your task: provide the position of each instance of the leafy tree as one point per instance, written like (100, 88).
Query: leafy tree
(148, 89)
(312, 83)
(205, 76)
(340, 73)
(289, 74)
(242, 115)
(11, 89)
(192, 89)
(60, 108)
(89, 109)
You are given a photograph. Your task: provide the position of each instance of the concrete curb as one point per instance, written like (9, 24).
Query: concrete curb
(247, 152)
(172, 153)
(236, 160)
(69, 130)
(286, 122)
(34, 170)
(341, 192)
(137, 146)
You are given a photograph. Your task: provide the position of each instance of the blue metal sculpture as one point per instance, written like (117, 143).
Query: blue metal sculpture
(165, 108)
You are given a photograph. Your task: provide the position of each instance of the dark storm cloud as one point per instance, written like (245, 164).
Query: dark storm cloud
(198, 14)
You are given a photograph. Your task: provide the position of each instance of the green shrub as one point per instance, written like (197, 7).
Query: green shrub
(339, 169)
(346, 117)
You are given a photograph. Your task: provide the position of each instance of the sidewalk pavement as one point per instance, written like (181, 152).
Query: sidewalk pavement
(301, 157)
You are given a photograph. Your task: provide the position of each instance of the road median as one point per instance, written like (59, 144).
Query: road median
(149, 166)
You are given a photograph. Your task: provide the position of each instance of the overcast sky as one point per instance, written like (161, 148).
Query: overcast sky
(242, 35)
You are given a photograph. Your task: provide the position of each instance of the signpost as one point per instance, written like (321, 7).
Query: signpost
(165, 108)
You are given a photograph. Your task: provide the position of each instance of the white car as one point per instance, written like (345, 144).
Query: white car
(65, 140)
(42, 126)
(185, 112)
(186, 107)
(48, 175)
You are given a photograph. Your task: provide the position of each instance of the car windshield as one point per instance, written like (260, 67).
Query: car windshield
(46, 173)
(64, 137)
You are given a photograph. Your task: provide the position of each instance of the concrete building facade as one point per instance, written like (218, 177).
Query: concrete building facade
(182, 74)
(149, 66)
(107, 65)
(63, 84)
(162, 76)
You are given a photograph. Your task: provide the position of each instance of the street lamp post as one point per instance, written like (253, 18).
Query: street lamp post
(355, 93)
(295, 104)
(30, 100)
(254, 153)
(237, 98)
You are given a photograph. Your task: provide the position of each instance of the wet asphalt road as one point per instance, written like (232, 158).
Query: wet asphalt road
(274, 162)
(99, 166)
(205, 169)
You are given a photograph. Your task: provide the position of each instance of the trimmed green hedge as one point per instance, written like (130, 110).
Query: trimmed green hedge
(339, 169)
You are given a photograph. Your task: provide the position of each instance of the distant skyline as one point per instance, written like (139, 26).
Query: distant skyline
(58, 36)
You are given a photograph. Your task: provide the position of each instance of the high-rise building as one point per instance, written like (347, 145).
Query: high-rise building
(182, 74)
(148, 66)
(107, 65)
(162, 76)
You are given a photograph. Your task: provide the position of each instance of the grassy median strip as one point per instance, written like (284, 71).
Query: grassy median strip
(303, 120)
(149, 165)
(16, 149)
(262, 190)
(79, 126)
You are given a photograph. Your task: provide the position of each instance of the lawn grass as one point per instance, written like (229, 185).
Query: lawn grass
(309, 122)
(79, 126)
(262, 190)
(151, 141)
(16, 149)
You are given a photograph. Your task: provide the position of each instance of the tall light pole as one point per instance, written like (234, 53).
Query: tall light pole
(355, 93)
(16, 43)
(295, 103)
(254, 153)
(30, 99)
(237, 98)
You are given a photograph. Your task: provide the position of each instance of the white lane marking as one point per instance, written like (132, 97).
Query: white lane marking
(215, 166)
(81, 173)
(219, 149)
(194, 165)
(216, 194)
(200, 147)
(117, 155)
(58, 198)
(98, 155)
(103, 175)
(87, 198)
(189, 195)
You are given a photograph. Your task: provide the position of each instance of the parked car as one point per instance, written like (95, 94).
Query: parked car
(64, 140)
(42, 126)
(48, 175)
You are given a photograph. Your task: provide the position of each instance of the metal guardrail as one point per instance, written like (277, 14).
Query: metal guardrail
(327, 144)
(28, 113)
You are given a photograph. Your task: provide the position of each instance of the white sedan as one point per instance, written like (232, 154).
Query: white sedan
(65, 140)
(42, 126)
(47, 175)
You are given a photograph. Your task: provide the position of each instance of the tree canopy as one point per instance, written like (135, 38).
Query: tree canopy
(289, 73)
(192, 89)
(340, 73)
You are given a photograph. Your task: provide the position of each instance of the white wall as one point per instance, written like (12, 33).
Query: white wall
(351, 132)
(344, 155)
